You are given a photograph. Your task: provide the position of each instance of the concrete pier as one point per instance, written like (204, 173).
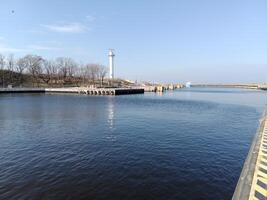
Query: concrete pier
(244, 86)
(262, 87)
(22, 90)
(77, 90)
(252, 183)
(96, 91)
(162, 88)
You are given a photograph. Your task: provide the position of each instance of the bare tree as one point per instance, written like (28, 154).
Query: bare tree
(102, 73)
(54, 71)
(21, 65)
(93, 71)
(10, 62)
(67, 67)
(49, 71)
(10, 66)
(62, 66)
(83, 73)
(2, 67)
(60, 71)
(72, 68)
(34, 65)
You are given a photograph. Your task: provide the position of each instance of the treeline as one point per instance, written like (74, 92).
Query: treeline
(36, 71)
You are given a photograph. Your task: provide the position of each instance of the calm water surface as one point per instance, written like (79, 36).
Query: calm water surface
(187, 144)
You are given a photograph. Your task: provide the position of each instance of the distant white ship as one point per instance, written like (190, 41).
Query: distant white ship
(188, 84)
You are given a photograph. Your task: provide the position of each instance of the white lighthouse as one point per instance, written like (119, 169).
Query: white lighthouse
(111, 63)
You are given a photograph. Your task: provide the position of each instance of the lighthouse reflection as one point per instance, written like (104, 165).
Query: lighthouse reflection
(111, 119)
(110, 113)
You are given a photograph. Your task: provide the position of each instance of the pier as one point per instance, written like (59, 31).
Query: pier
(252, 183)
(162, 88)
(244, 86)
(263, 87)
(22, 90)
(76, 90)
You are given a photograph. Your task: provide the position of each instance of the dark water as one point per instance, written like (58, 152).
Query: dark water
(188, 144)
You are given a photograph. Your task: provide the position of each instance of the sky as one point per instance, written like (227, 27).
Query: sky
(171, 41)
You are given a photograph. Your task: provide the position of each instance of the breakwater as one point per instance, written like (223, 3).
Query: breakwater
(245, 86)
(76, 90)
(162, 88)
(22, 90)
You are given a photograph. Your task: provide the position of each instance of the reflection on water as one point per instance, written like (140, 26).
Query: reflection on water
(151, 146)
(111, 118)
(110, 111)
(159, 93)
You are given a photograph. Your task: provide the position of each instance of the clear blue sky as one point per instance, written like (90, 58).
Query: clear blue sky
(166, 41)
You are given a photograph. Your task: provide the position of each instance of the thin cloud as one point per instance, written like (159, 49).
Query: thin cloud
(33, 31)
(66, 28)
(90, 18)
(44, 48)
(8, 49)
(4, 49)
